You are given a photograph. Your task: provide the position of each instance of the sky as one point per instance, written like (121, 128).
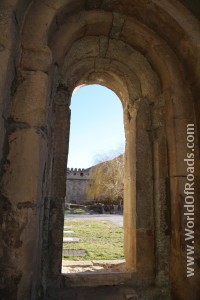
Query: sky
(96, 129)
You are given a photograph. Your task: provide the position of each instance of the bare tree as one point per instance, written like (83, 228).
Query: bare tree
(107, 180)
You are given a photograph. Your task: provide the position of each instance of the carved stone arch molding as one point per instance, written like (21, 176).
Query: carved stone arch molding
(148, 53)
(84, 65)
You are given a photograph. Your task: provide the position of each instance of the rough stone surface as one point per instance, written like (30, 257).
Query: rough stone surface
(76, 185)
(74, 252)
(70, 240)
(30, 100)
(68, 231)
(27, 148)
(36, 60)
(148, 53)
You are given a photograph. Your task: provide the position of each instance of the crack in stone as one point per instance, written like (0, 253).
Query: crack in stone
(49, 6)
(103, 46)
(27, 204)
(42, 131)
(118, 23)
(91, 5)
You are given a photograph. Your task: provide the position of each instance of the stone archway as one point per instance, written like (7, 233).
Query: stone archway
(131, 48)
(86, 72)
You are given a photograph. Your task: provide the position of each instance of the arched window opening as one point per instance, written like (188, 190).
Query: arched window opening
(93, 226)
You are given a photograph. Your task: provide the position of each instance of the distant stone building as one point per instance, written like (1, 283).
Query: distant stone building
(78, 181)
(76, 185)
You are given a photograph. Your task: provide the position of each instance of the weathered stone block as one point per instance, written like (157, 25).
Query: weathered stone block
(158, 112)
(7, 83)
(7, 27)
(118, 22)
(6, 78)
(35, 32)
(160, 158)
(23, 175)
(80, 51)
(145, 252)
(36, 59)
(57, 237)
(70, 240)
(138, 64)
(93, 4)
(102, 21)
(144, 154)
(20, 240)
(30, 100)
(62, 41)
(144, 206)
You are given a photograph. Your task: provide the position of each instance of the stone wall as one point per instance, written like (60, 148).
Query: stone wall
(76, 185)
(147, 52)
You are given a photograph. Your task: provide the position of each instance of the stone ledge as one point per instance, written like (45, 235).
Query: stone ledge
(93, 293)
(68, 263)
(116, 262)
(70, 240)
(88, 279)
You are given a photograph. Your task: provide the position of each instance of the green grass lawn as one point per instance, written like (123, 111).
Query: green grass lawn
(101, 239)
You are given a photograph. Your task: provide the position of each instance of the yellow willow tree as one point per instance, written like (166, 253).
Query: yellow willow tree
(107, 181)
